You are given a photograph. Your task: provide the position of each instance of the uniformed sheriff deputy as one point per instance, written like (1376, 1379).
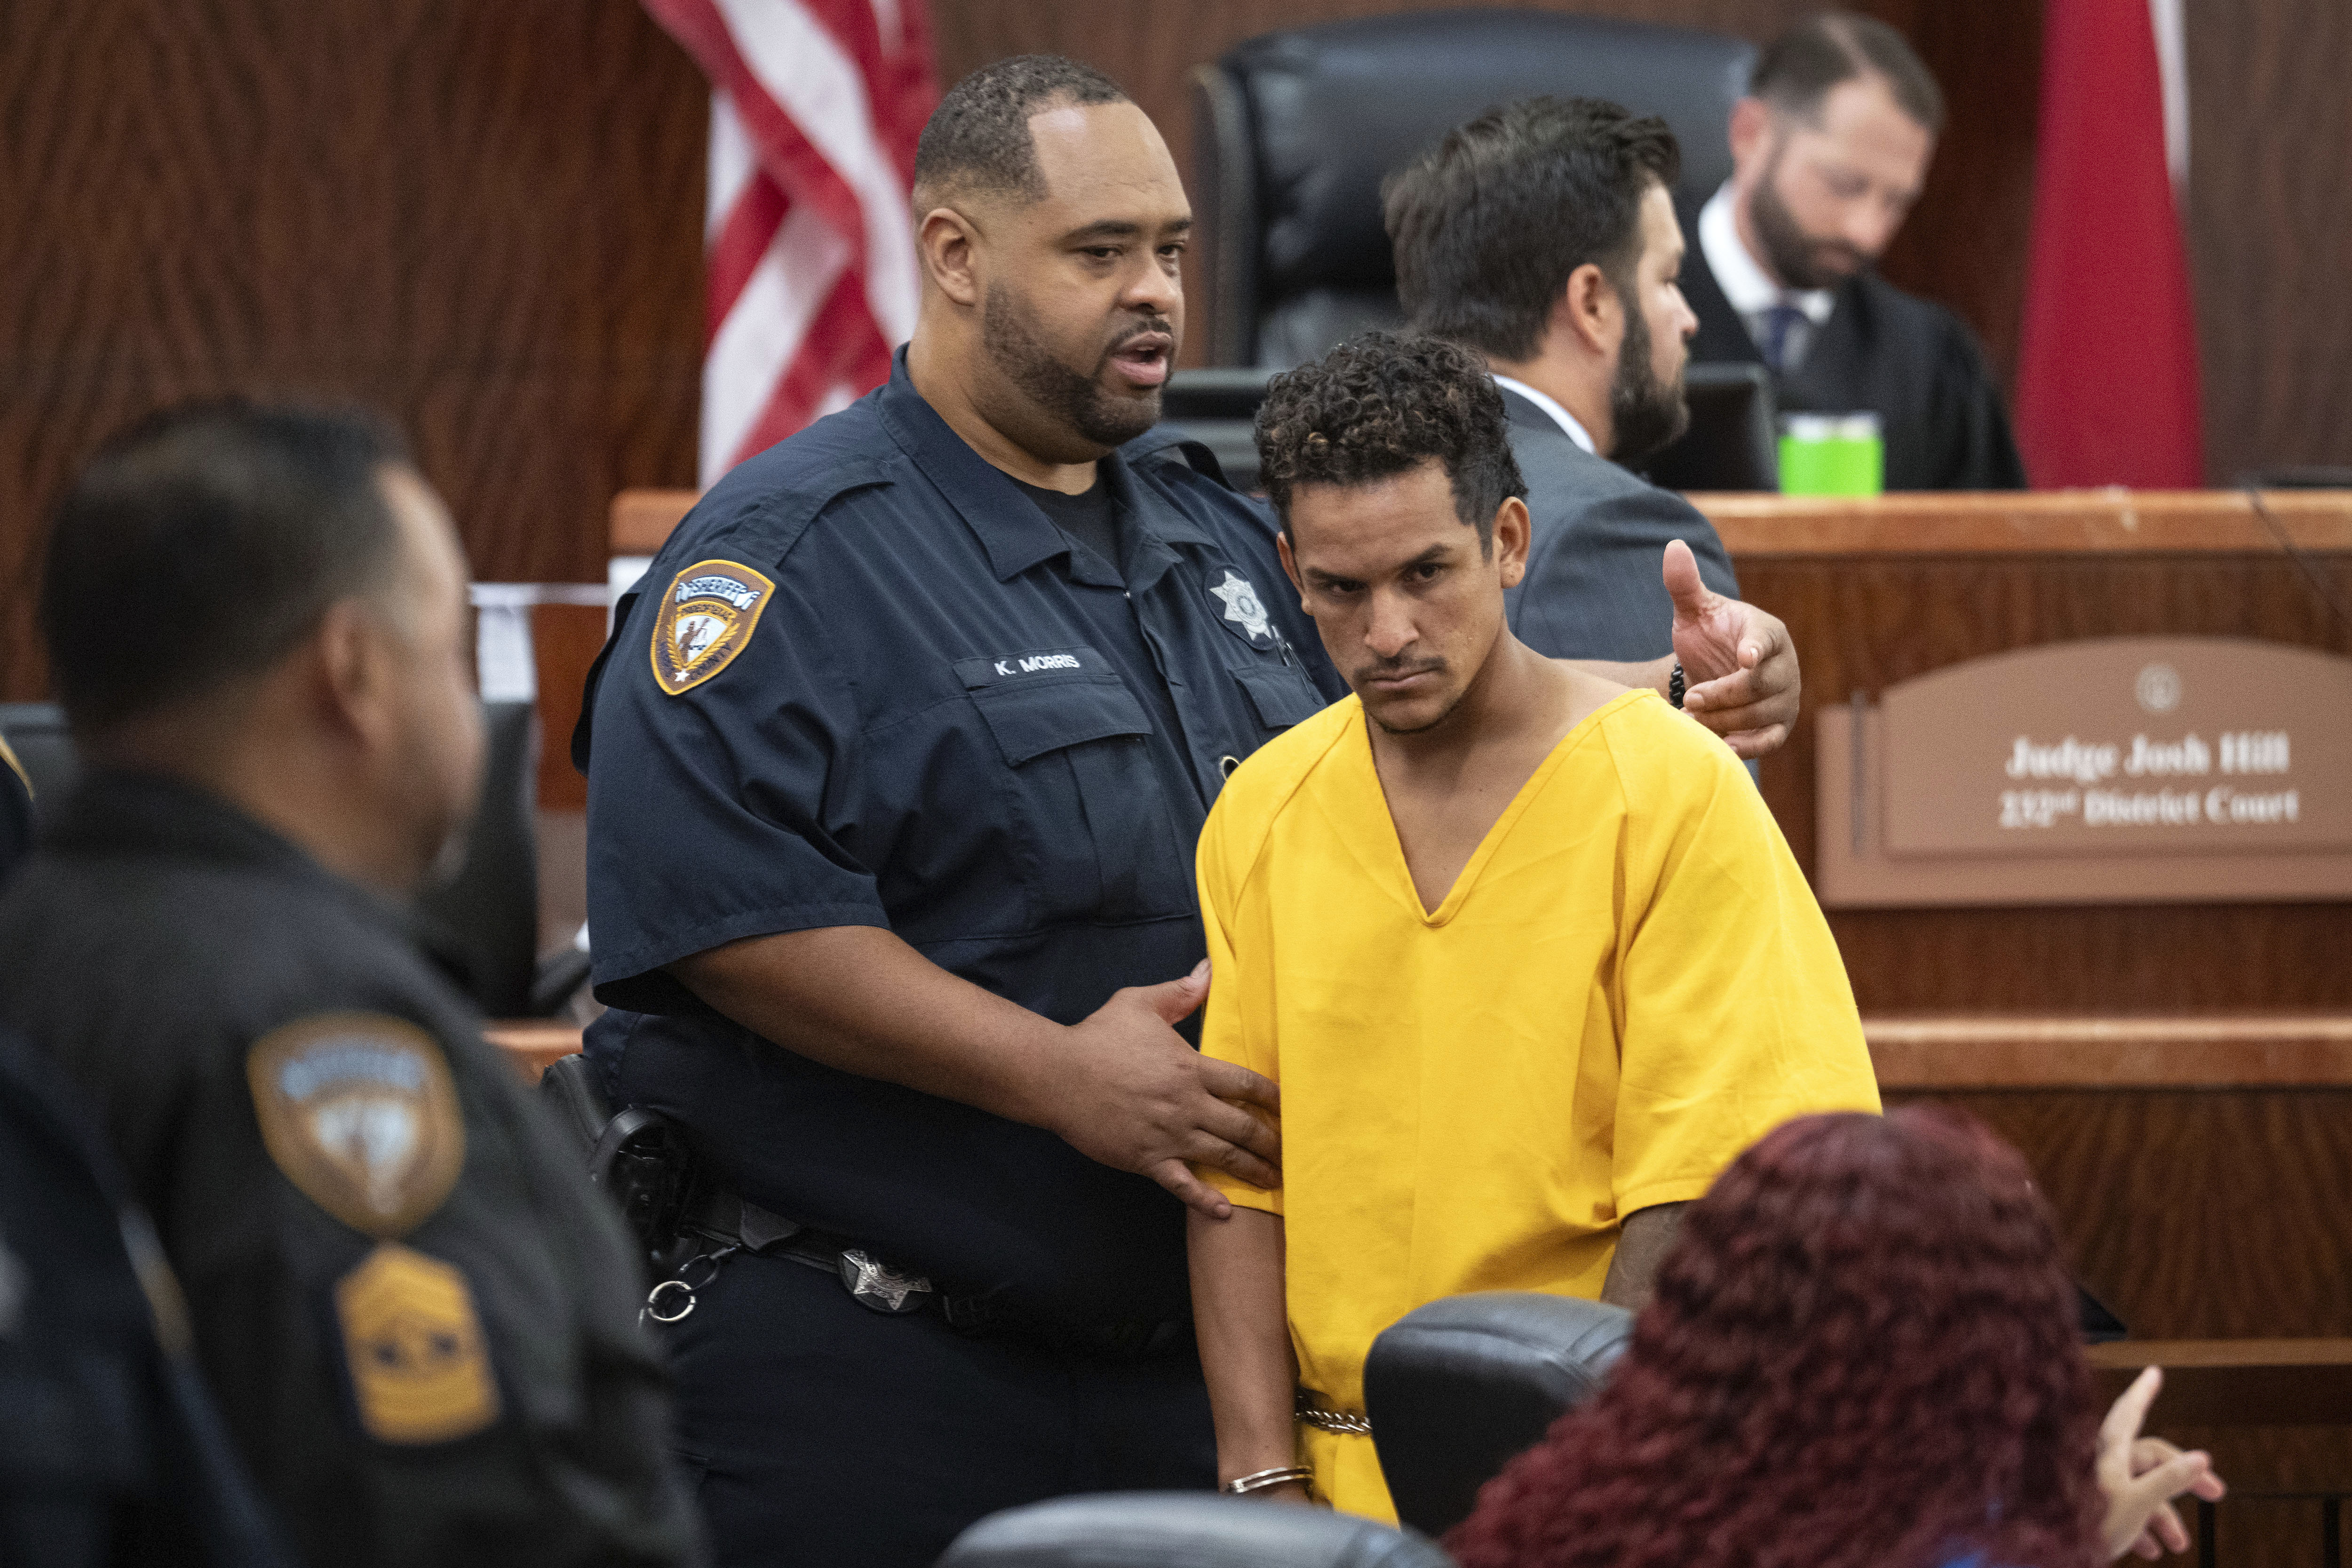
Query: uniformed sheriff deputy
(896, 765)
(419, 1320)
(111, 1454)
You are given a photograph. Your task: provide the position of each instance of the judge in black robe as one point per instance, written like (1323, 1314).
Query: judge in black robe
(1907, 360)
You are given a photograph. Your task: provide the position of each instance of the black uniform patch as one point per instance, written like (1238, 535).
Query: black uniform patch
(706, 618)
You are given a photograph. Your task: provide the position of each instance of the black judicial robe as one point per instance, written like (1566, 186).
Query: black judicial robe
(1907, 360)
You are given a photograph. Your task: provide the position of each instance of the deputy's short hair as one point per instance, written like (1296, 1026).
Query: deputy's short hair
(1797, 70)
(1382, 405)
(202, 543)
(1489, 224)
(978, 141)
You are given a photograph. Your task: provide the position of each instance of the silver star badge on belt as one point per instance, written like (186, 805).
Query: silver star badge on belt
(878, 1286)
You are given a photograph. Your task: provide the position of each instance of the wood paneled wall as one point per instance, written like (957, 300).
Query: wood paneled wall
(486, 218)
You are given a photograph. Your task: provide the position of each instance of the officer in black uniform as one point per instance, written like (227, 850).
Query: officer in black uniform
(112, 1452)
(896, 766)
(419, 1320)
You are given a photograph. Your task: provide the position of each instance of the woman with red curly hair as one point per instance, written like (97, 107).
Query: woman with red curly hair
(1861, 1354)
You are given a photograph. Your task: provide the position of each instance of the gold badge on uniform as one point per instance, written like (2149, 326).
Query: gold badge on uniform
(705, 619)
(420, 1368)
(358, 1111)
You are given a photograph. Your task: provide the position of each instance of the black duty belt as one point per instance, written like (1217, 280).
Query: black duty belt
(732, 1224)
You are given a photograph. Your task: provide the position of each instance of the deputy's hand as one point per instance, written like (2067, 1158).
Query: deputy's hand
(1139, 1098)
(1738, 661)
(2141, 1476)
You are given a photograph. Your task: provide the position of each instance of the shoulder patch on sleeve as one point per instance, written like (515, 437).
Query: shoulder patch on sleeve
(706, 619)
(360, 1112)
(420, 1367)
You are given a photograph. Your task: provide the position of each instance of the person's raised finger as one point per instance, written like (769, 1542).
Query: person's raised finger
(1231, 1081)
(2126, 1416)
(1684, 584)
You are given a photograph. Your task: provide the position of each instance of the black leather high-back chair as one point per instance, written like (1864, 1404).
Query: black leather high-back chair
(1456, 1388)
(1294, 132)
(1183, 1530)
(37, 733)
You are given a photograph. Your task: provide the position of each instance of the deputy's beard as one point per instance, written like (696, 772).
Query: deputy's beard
(1009, 334)
(1795, 258)
(1645, 414)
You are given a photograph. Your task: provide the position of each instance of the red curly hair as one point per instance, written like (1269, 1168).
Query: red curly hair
(1862, 1353)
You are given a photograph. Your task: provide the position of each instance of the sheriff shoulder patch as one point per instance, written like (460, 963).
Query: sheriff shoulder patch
(358, 1109)
(706, 618)
(420, 1368)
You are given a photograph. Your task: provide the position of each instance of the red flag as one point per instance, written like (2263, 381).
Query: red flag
(816, 108)
(2107, 377)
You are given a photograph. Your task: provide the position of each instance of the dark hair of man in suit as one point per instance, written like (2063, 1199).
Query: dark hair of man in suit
(1489, 224)
(978, 139)
(1797, 69)
(202, 543)
(1382, 405)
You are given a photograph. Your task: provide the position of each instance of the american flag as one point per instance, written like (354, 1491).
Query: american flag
(815, 107)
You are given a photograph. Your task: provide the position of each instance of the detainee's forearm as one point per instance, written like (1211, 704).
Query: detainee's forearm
(1641, 1245)
(1244, 1324)
(859, 998)
(1650, 674)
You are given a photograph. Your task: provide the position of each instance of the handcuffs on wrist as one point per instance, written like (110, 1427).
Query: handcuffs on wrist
(1262, 1480)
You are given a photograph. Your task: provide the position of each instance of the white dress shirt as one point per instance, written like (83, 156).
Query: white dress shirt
(1561, 416)
(1750, 291)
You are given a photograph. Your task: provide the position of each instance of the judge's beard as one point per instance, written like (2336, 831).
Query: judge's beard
(1795, 258)
(1646, 415)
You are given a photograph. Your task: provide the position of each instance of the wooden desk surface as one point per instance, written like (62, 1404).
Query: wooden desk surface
(1762, 525)
(2234, 1383)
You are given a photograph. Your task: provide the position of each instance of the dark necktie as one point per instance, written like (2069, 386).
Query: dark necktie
(1779, 321)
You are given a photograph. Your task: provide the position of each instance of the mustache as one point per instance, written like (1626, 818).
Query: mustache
(1160, 324)
(1396, 669)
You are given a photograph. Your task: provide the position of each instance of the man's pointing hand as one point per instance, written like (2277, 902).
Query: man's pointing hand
(1740, 665)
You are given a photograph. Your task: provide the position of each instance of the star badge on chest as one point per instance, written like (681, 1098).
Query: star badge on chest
(1245, 614)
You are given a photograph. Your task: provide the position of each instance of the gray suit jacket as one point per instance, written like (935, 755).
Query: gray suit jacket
(1592, 588)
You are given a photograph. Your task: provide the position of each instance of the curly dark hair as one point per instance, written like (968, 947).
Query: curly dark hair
(1381, 405)
(1862, 1354)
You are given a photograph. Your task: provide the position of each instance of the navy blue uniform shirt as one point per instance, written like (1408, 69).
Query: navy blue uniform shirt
(868, 682)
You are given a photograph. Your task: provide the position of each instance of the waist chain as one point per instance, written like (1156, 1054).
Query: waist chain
(1313, 1410)
(731, 1225)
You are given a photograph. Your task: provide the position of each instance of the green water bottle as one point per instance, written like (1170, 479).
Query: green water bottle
(1832, 455)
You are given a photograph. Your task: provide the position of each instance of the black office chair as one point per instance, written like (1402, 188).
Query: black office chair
(482, 925)
(1294, 132)
(1456, 1388)
(37, 732)
(1183, 1530)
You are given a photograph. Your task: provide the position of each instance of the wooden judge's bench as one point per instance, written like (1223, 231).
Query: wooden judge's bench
(2178, 1074)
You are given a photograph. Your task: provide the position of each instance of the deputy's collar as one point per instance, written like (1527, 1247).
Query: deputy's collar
(112, 812)
(1008, 524)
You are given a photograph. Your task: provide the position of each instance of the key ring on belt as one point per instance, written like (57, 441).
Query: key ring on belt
(676, 1309)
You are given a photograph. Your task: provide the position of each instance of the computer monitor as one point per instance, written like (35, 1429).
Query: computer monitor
(1731, 444)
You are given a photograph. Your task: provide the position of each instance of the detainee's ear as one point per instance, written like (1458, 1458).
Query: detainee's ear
(1290, 561)
(949, 242)
(1512, 528)
(1590, 312)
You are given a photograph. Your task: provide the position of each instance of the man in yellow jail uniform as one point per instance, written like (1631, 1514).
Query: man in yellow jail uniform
(1524, 950)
